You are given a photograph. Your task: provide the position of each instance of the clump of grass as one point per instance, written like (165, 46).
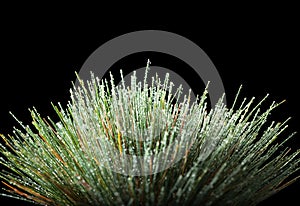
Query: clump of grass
(138, 145)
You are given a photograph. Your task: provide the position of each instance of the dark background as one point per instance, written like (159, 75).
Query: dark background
(40, 56)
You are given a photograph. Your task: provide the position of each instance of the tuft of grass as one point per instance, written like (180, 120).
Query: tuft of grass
(138, 145)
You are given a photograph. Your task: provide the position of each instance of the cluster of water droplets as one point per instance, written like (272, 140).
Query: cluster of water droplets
(137, 129)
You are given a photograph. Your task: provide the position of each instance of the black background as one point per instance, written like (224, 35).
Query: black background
(39, 57)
